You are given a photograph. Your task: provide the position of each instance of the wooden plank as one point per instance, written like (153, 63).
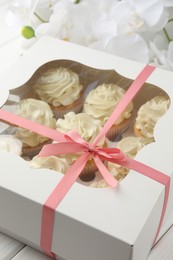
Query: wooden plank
(9, 247)
(163, 250)
(28, 253)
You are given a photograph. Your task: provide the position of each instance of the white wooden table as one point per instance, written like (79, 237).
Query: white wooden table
(10, 248)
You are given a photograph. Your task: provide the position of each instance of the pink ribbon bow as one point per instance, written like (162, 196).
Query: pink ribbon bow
(75, 144)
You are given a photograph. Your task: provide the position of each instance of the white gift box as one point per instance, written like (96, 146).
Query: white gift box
(90, 223)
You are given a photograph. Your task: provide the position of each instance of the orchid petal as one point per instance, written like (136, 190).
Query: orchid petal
(150, 10)
(131, 46)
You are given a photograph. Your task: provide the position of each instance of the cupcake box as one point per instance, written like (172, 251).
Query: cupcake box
(97, 224)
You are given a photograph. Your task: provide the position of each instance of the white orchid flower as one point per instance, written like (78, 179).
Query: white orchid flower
(162, 52)
(130, 46)
(135, 29)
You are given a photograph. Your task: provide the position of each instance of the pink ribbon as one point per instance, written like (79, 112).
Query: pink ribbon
(72, 143)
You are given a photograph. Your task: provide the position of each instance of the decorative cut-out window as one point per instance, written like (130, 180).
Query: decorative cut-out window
(65, 95)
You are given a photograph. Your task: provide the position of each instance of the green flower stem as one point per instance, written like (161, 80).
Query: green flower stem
(167, 35)
(77, 1)
(39, 18)
(170, 20)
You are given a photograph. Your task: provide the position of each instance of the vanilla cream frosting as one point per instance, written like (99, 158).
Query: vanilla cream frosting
(10, 144)
(84, 124)
(58, 86)
(39, 112)
(150, 113)
(51, 162)
(101, 102)
(130, 146)
(99, 184)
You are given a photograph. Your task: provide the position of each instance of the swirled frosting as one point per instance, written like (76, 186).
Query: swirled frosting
(58, 87)
(101, 102)
(51, 162)
(39, 112)
(150, 113)
(10, 144)
(130, 146)
(84, 124)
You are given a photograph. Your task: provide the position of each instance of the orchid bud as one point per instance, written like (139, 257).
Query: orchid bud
(28, 32)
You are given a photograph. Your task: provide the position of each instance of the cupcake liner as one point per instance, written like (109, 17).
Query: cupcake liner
(117, 130)
(88, 173)
(30, 152)
(76, 107)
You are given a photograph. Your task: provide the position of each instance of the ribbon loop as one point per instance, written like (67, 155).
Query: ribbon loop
(74, 136)
(111, 153)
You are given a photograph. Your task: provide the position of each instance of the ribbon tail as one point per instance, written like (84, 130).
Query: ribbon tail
(111, 181)
(155, 175)
(48, 211)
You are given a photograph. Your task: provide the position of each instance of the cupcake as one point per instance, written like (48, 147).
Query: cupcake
(102, 101)
(148, 115)
(61, 89)
(39, 112)
(10, 144)
(88, 128)
(130, 146)
(51, 162)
